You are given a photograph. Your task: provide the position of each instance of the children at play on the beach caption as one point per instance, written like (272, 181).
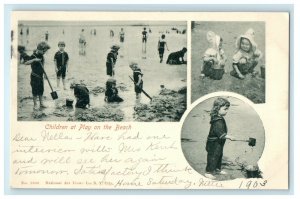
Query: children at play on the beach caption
(244, 61)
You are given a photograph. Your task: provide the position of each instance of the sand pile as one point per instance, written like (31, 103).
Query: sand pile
(97, 90)
(169, 105)
(105, 113)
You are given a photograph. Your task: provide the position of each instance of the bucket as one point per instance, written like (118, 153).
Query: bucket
(252, 171)
(69, 102)
(252, 142)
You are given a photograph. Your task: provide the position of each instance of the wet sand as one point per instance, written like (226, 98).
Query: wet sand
(91, 69)
(251, 87)
(242, 122)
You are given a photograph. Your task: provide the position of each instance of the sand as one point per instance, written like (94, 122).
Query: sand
(91, 69)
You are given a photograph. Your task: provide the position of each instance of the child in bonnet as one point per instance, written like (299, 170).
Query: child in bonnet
(247, 55)
(214, 58)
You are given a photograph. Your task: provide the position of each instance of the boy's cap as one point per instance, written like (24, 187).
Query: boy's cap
(43, 46)
(115, 47)
(61, 43)
(133, 63)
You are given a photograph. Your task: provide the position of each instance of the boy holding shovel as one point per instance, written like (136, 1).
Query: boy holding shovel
(36, 60)
(137, 77)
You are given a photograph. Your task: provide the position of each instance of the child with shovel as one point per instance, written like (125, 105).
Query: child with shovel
(137, 77)
(36, 60)
(216, 138)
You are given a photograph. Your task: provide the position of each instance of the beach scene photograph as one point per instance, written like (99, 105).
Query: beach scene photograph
(101, 70)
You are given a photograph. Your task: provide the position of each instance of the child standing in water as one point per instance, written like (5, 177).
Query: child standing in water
(161, 47)
(36, 60)
(246, 57)
(61, 59)
(111, 93)
(111, 60)
(214, 58)
(216, 138)
(144, 41)
(122, 35)
(138, 81)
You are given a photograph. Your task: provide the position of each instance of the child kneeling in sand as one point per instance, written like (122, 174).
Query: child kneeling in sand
(81, 93)
(177, 58)
(246, 57)
(111, 93)
(214, 58)
(216, 138)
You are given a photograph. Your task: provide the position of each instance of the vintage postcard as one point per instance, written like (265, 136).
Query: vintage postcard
(149, 100)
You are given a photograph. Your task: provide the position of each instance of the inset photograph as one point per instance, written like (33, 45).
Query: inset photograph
(101, 70)
(228, 56)
(223, 138)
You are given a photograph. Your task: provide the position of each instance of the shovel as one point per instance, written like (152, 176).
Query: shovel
(251, 141)
(143, 90)
(53, 93)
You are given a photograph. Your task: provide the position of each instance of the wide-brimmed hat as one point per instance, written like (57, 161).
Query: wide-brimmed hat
(61, 43)
(43, 46)
(115, 47)
(133, 65)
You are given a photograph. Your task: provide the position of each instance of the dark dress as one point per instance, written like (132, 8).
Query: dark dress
(137, 88)
(110, 61)
(82, 94)
(36, 76)
(161, 46)
(215, 143)
(144, 38)
(112, 95)
(244, 68)
(209, 71)
(62, 59)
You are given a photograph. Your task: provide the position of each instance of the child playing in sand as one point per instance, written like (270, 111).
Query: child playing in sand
(36, 60)
(177, 58)
(111, 60)
(246, 57)
(137, 77)
(111, 93)
(216, 138)
(161, 47)
(61, 59)
(214, 58)
(81, 93)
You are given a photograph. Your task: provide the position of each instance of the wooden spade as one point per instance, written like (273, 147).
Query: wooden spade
(53, 93)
